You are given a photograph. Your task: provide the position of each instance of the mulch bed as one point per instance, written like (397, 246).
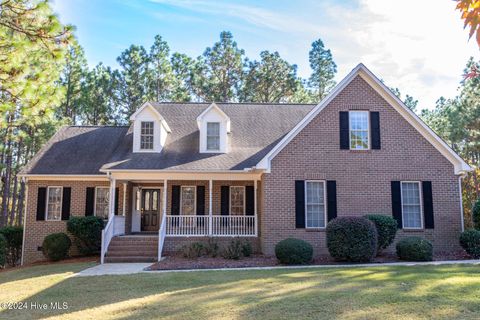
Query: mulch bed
(176, 262)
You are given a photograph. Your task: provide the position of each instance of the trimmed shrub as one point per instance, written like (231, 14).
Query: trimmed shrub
(386, 229)
(476, 214)
(193, 250)
(294, 251)
(3, 250)
(233, 250)
(14, 238)
(87, 232)
(56, 245)
(470, 242)
(352, 239)
(415, 249)
(247, 248)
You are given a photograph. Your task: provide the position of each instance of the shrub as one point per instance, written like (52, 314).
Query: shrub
(3, 250)
(386, 229)
(211, 247)
(87, 232)
(193, 250)
(247, 248)
(14, 238)
(415, 249)
(56, 245)
(476, 214)
(294, 251)
(352, 239)
(470, 241)
(233, 250)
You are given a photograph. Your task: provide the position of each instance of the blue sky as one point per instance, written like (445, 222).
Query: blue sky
(418, 46)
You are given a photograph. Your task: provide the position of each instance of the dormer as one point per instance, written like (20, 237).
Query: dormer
(214, 125)
(149, 129)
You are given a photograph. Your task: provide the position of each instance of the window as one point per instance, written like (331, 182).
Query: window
(411, 205)
(213, 135)
(102, 197)
(146, 136)
(187, 200)
(315, 204)
(359, 130)
(54, 203)
(237, 200)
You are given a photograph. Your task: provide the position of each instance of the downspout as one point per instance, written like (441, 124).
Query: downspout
(25, 180)
(462, 218)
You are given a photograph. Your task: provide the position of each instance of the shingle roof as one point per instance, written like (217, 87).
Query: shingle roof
(255, 130)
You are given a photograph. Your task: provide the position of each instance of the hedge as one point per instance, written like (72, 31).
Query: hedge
(55, 246)
(386, 229)
(294, 251)
(87, 232)
(415, 249)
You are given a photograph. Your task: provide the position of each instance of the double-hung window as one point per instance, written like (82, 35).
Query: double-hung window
(359, 130)
(146, 135)
(411, 205)
(187, 200)
(54, 203)
(102, 198)
(315, 204)
(213, 136)
(237, 200)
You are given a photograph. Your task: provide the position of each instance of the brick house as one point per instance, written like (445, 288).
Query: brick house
(184, 171)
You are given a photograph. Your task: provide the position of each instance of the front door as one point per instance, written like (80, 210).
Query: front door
(150, 209)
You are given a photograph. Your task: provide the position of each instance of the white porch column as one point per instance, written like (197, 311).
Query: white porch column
(111, 200)
(210, 210)
(165, 189)
(255, 206)
(124, 198)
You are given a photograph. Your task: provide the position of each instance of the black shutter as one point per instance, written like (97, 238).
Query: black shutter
(375, 127)
(41, 198)
(299, 204)
(90, 201)
(344, 130)
(200, 200)
(67, 192)
(249, 200)
(427, 204)
(331, 200)
(225, 200)
(175, 200)
(397, 203)
(117, 194)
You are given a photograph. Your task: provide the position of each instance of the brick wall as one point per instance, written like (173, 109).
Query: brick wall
(363, 177)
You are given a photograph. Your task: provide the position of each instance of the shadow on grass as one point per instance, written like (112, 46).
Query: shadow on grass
(411, 292)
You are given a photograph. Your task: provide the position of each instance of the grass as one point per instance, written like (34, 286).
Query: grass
(421, 292)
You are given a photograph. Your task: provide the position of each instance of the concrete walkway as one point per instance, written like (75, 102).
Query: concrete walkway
(133, 268)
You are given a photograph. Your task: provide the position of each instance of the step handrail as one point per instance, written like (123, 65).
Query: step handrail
(162, 232)
(107, 235)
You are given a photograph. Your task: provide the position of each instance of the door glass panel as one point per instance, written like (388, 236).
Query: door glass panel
(147, 200)
(155, 200)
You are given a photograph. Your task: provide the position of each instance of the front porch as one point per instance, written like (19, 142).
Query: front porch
(182, 208)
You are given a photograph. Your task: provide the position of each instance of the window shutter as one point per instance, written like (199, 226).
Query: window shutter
(200, 200)
(299, 204)
(175, 200)
(67, 192)
(344, 130)
(331, 200)
(225, 200)
(375, 127)
(249, 200)
(117, 194)
(41, 198)
(397, 203)
(427, 204)
(90, 201)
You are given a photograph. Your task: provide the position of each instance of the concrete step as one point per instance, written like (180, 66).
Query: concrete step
(125, 253)
(130, 259)
(132, 247)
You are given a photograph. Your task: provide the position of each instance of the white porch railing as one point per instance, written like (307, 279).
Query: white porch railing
(215, 225)
(162, 232)
(115, 226)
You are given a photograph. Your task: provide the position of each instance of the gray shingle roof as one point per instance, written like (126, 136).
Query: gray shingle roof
(255, 130)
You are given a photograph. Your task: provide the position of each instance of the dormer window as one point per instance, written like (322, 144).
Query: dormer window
(213, 136)
(146, 135)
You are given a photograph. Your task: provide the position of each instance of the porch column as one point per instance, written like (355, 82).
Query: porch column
(255, 206)
(124, 198)
(210, 210)
(165, 190)
(111, 200)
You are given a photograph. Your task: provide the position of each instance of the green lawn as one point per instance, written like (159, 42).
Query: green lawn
(423, 292)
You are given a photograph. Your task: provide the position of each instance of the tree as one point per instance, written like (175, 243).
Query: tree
(161, 79)
(271, 79)
(323, 70)
(182, 68)
(409, 101)
(470, 10)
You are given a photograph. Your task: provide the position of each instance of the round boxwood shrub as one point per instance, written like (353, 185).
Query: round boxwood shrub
(3, 250)
(386, 229)
(352, 239)
(415, 249)
(476, 214)
(294, 251)
(87, 232)
(470, 241)
(56, 245)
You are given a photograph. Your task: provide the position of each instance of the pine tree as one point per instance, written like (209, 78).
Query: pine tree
(323, 70)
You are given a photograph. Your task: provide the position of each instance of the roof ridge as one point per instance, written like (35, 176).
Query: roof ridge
(238, 103)
(96, 126)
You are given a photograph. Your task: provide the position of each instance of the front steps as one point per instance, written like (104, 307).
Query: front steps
(133, 248)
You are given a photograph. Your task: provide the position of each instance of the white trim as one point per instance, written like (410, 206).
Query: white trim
(324, 203)
(460, 166)
(213, 105)
(159, 116)
(230, 200)
(462, 218)
(420, 194)
(61, 203)
(66, 177)
(24, 221)
(194, 199)
(152, 149)
(95, 200)
(350, 130)
(207, 136)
